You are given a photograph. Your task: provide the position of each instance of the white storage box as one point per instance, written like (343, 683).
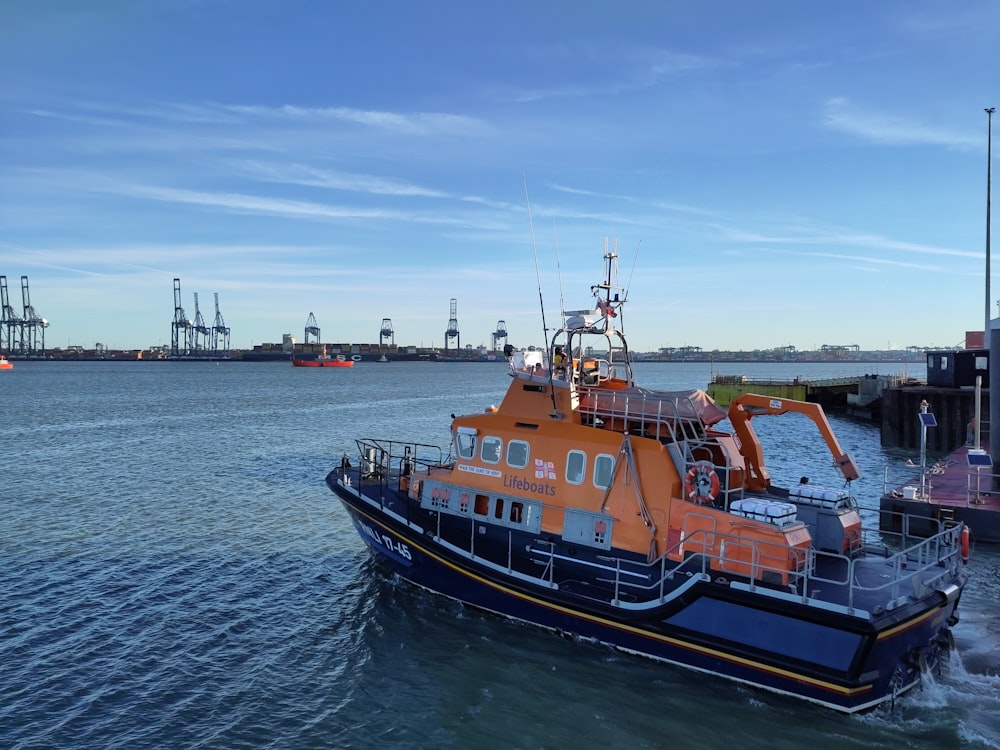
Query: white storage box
(811, 494)
(758, 509)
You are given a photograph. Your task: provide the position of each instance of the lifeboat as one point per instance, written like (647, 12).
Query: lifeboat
(645, 519)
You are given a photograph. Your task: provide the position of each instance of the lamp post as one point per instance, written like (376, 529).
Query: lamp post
(989, 182)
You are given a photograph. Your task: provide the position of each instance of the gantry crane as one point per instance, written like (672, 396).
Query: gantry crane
(499, 333)
(33, 325)
(311, 329)
(219, 332)
(10, 323)
(452, 330)
(201, 332)
(180, 329)
(385, 332)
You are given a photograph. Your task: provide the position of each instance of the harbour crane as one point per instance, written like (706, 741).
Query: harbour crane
(200, 331)
(498, 334)
(10, 323)
(181, 327)
(311, 329)
(452, 330)
(220, 332)
(386, 333)
(33, 325)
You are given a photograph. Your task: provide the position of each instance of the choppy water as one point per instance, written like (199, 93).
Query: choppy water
(174, 573)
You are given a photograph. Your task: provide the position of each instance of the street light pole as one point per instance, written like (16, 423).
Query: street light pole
(989, 184)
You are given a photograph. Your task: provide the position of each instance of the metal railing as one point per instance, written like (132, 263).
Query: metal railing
(897, 564)
(652, 415)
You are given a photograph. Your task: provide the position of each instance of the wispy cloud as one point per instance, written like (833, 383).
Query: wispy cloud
(414, 123)
(630, 68)
(799, 235)
(894, 130)
(302, 174)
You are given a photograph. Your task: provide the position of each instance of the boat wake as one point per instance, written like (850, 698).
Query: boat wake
(948, 703)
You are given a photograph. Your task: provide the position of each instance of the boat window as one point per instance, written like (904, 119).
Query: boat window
(516, 511)
(465, 444)
(604, 466)
(492, 450)
(482, 507)
(576, 467)
(498, 509)
(517, 454)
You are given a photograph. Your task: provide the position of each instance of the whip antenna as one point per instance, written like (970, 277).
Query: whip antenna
(562, 303)
(631, 273)
(538, 276)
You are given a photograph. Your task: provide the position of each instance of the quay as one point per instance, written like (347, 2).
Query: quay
(859, 395)
(892, 401)
(960, 488)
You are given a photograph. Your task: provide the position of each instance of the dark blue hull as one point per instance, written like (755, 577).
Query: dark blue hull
(775, 642)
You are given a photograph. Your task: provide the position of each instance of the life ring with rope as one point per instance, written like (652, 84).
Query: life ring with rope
(701, 483)
(965, 544)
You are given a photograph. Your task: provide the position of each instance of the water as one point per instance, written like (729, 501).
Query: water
(174, 573)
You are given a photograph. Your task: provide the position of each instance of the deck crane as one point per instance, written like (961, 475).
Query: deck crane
(200, 330)
(452, 331)
(743, 408)
(220, 331)
(311, 329)
(11, 331)
(180, 329)
(32, 324)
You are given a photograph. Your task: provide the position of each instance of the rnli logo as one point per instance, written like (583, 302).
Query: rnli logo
(544, 469)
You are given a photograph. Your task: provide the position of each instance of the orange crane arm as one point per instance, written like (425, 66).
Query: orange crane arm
(743, 408)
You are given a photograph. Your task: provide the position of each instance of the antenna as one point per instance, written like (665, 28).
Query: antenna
(545, 330)
(628, 286)
(531, 227)
(562, 304)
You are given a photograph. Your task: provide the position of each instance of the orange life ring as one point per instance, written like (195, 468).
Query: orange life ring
(701, 483)
(965, 544)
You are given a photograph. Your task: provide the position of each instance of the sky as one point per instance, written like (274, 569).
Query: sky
(772, 173)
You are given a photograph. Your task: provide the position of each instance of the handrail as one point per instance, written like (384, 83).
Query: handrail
(805, 583)
(648, 411)
(904, 554)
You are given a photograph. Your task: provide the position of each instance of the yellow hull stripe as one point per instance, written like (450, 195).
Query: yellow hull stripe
(643, 633)
(908, 624)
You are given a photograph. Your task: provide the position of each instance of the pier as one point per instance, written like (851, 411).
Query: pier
(858, 394)
(893, 401)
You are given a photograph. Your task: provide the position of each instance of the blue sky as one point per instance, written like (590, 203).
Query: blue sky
(774, 173)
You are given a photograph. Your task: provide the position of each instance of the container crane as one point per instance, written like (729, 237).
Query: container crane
(11, 330)
(498, 334)
(180, 329)
(201, 332)
(32, 324)
(452, 330)
(219, 332)
(311, 329)
(386, 333)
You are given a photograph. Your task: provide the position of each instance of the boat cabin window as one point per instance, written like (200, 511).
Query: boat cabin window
(604, 467)
(517, 454)
(492, 450)
(497, 510)
(576, 467)
(465, 442)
